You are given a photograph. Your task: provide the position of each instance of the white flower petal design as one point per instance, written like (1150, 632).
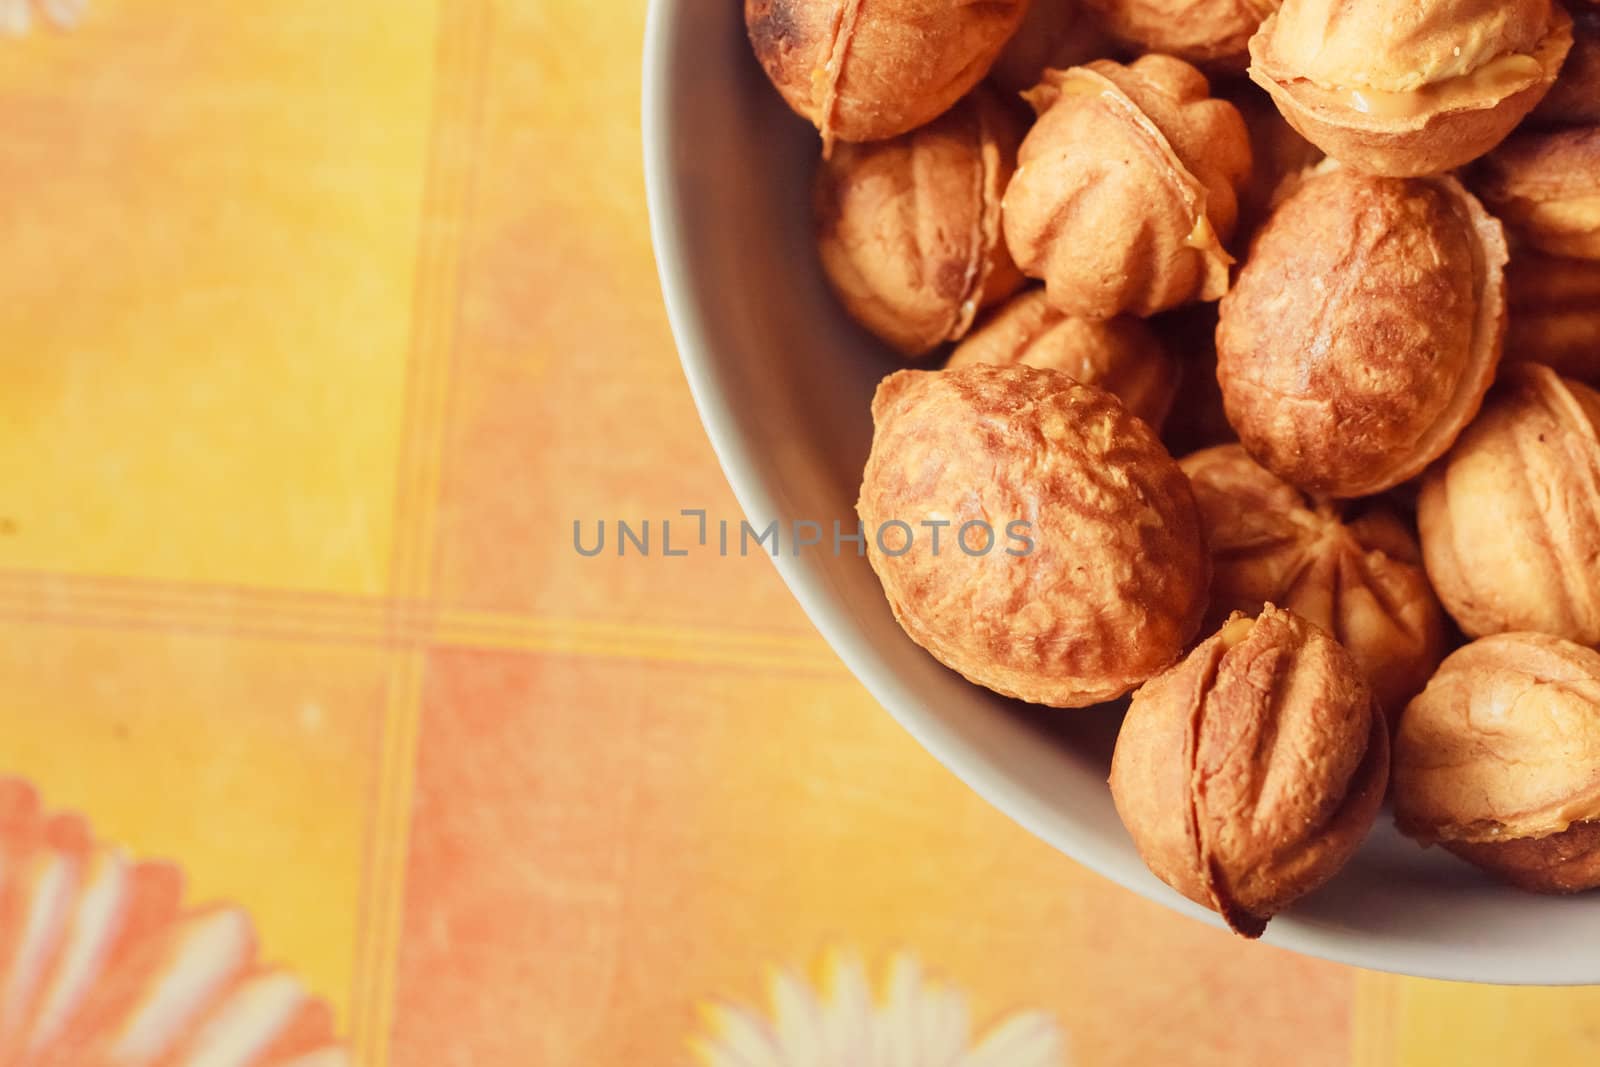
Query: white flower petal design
(798, 1022)
(200, 957)
(17, 16)
(64, 13)
(243, 1027)
(745, 1041)
(102, 966)
(86, 947)
(849, 1025)
(920, 1023)
(1030, 1040)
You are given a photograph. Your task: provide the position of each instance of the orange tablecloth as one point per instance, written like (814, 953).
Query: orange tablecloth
(324, 322)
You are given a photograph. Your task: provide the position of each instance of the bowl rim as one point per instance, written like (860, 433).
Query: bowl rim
(733, 448)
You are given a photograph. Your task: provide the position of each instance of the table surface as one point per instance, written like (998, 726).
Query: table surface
(325, 323)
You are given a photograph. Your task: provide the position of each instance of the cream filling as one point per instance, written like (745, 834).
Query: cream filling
(1494, 80)
(1235, 631)
(1204, 237)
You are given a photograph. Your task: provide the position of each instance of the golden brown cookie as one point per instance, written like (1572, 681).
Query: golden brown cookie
(1091, 575)
(1121, 356)
(1212, 33)
(909, 229)
(1126, 188)
(1545, 186)
(869, 71)
(1249, 774)
(1364, 329)
(1409, 89)
(1355, 573)
(1510, 518)
(1499, 760)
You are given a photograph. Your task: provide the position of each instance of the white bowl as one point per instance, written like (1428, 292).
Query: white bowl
(783, 380)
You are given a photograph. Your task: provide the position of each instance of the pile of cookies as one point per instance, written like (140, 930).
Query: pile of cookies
(1340, 258)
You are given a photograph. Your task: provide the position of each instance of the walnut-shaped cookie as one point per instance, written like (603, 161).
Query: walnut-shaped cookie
(1575, 97)
(1545, 186)
(1510, 518)
(1068, 565)
(1408, 89)
(869, 71)
(1554, 314)
(1364, 329)
(1127, 187)
(1212, 33)
(1499, 761)
(1356, 573)
(1054, 35)
(1250, 773)
(1121, 355)
(908, 229)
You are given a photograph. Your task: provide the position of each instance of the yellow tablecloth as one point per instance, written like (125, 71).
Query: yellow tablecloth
(323, 323)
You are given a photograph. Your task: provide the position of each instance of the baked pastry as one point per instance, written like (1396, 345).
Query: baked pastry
(1409, 89)
(1364, 329)
(1212, 33)
(909, 229)
(1545, 187)
(1248, 774)
(1054, 35)
(867, 72)
(1554, 314)
(1499, 761)
(1510, 519)
(1575, 97)
(1355, 573)
(1071, 566)
(1121, 356)
(1127, 187)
